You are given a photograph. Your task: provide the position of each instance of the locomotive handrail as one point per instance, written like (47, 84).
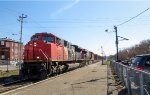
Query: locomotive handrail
(45, 56)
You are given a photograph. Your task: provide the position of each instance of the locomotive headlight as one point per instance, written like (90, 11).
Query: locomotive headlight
(35, 44)
(37, 57)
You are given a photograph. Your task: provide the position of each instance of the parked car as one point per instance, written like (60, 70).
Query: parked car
(140, 63)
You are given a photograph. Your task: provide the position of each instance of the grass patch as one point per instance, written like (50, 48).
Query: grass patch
(9, 73)
(106, 62)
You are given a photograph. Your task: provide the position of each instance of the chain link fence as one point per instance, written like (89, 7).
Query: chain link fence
(137, 82)
(8, 72)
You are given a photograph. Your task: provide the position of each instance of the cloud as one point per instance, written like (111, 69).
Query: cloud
(65, 8)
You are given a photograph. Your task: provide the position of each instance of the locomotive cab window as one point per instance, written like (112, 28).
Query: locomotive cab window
(58, 41)
(34, 39)
(48, 39)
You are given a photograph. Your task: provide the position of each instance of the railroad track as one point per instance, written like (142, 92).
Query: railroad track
(13, 85)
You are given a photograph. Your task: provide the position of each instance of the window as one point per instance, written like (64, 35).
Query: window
(34, 39)
(138, 60)
(48, 39)
(2, 51)
(2, 42)
(57, 40)
(3, 57)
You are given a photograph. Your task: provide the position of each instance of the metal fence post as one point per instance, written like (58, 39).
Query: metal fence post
(122, 74)
(8, 62)
(128, 82)
(115, 66)
(141, 84)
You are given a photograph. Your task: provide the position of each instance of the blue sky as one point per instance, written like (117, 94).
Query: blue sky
(81, 22)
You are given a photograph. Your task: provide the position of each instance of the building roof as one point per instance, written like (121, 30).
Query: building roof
(8, 39)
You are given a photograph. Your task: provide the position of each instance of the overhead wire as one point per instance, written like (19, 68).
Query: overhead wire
(133, 17)
(15, 13)
(75, 20)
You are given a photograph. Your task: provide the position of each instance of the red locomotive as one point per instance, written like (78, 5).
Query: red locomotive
(46, 54)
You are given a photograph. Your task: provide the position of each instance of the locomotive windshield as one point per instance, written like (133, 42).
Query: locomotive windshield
(48, 39)
(34, 39)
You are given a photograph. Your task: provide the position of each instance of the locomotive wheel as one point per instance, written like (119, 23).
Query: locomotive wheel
(58, 70)
(50, 71)
(23, 74)
(43, 74)
(65, 68)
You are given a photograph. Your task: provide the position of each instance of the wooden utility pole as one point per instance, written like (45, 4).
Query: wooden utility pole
(116, 42)
(21, 20)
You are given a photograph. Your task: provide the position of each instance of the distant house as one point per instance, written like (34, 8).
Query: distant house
(10, 51)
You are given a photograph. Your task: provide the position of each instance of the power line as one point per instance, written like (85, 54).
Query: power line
(133, 17)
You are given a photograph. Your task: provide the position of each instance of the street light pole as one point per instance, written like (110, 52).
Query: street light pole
(116, 42)
(102, 55)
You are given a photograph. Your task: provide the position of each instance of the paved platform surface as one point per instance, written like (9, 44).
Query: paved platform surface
(89, 80)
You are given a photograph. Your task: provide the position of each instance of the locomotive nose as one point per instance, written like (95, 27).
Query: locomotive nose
(32, 51)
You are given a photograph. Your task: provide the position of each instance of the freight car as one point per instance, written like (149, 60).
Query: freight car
(46, 54)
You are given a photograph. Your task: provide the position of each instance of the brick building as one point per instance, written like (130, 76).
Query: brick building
(10, 51)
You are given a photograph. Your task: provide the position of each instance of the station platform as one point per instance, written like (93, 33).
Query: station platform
(88, 80)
